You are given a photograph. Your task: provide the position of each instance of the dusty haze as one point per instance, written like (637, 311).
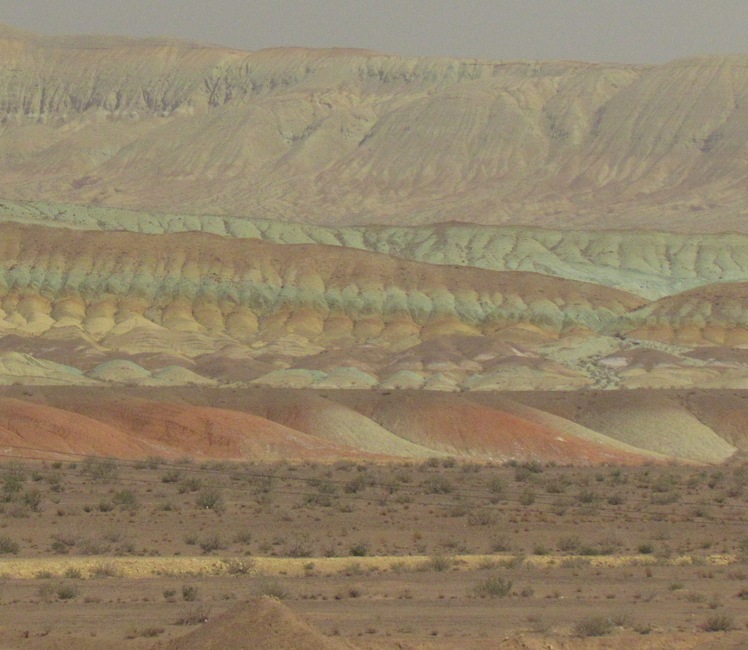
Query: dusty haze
(636, 31)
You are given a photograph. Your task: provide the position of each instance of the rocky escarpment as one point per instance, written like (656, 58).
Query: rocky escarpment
(334, 136)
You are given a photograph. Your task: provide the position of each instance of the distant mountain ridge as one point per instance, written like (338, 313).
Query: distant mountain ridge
(349, 136)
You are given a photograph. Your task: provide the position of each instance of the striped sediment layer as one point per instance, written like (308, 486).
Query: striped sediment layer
(265, 424)
(106, 284)
(652, 264)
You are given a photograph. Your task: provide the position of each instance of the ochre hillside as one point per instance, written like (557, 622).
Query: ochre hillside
(346, 136)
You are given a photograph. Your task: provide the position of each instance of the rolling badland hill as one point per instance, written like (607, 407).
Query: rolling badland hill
(374, 253)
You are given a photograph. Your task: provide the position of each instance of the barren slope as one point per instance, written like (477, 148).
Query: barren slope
(339, 135)
(40, 430)
(460, 426)
(173, 429)
(128, 291)
(650, 264)
(711, 314)
(652, 420)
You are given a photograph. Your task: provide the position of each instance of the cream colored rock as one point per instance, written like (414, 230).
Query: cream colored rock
(370, 138)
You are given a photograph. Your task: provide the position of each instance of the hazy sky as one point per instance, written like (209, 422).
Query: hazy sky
(632, 31)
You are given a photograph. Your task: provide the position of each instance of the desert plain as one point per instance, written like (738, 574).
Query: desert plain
(338, 349)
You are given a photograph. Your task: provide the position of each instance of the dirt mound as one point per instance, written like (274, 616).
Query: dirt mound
(260, 624)
(461, 426)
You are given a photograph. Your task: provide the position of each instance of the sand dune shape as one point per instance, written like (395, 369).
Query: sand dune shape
(651, 420)
(209, 432)
(334, 422)
(259, 624)
(456, 425)
(45, 429)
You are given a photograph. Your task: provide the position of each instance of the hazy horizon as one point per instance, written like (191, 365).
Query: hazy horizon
(635, 31)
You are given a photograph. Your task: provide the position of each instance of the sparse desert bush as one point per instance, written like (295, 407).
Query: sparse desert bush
(237, 566)
(501, 545)
(54, 481)
(493, 587)
(718, 623)
(355, 485)
(44, 575)
(587, 497)
(126, 500)
(359, 550)
(326, 495)
(62, 591)
(146, 632)
(527, 498)
(14, 477)
(437, 485)
(66, 591)
(73, 573)
(99, 469)
(191, 484)
(243, 537)
(106, 570)
(189, 593)
(93, 547)
(152, 462)
(481, 518)
(300, 545)
(32, 499)
(8, 546)
(212, 543)
(195, 615)
(273, 588)
(554, 486)
(438, 563)
(596, 625)
(172, 476)
(353, 569)
(666, 498)
(210, 499)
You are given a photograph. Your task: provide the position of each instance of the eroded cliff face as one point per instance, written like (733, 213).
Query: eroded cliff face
(341, 136)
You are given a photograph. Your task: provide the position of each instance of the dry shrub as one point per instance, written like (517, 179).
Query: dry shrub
(595, 625)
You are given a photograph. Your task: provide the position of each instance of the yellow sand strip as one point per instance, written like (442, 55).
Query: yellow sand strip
(149, 567)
